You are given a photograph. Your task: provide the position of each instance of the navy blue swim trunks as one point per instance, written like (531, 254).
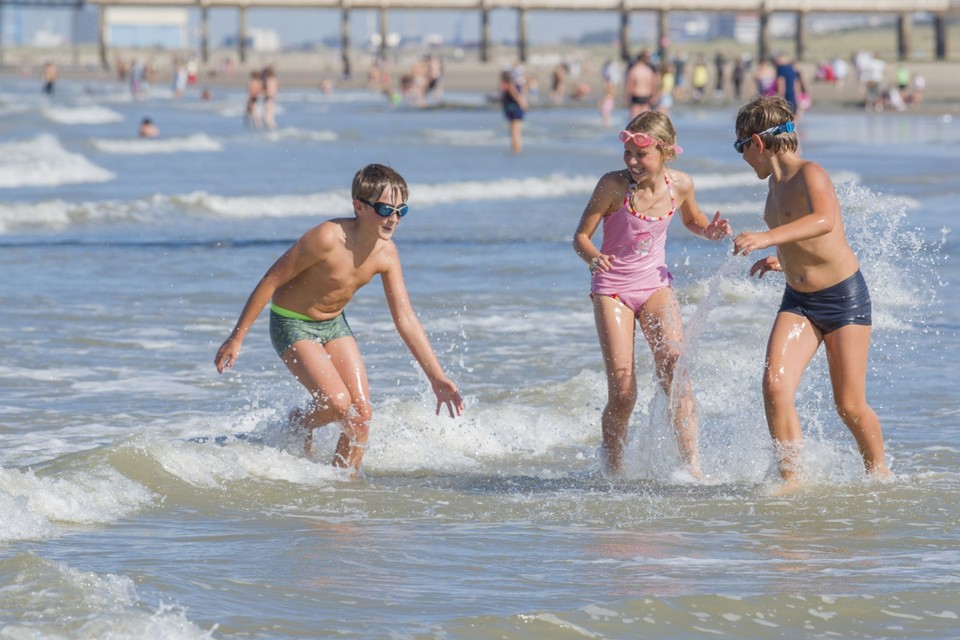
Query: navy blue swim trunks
(844, 303)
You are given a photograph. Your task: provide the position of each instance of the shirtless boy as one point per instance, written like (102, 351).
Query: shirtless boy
(826, 298)
(642, 85)
(310, 285)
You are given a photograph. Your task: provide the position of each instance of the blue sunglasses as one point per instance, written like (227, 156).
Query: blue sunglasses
(385, 210)
(786, 127)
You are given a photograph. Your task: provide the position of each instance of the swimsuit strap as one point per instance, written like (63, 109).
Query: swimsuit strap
(628, 201)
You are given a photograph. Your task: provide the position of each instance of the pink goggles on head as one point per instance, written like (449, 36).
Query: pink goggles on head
(645, 140)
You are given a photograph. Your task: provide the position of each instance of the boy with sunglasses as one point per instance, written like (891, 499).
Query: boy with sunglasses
(307, 289)
(826, 298)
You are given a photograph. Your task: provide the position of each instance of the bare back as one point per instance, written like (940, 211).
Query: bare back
(335, 265)
(803, 204)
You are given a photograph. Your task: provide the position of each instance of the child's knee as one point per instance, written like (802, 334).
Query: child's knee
(776, 388)
(852, 412)
(623, 391)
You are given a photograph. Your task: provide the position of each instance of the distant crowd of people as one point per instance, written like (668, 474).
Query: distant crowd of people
(643, 83)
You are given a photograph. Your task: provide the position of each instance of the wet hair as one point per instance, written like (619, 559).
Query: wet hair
(765, 112)
(658, 126)
(373, 179)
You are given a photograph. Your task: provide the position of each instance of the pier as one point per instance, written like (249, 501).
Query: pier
(657, 10)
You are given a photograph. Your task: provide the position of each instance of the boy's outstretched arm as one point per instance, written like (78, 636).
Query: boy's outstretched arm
(293, 261)
(822, 218)
(416, 339)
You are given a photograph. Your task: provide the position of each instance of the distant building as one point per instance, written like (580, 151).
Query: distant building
(746, 26)
(149, 28)
(257, 40)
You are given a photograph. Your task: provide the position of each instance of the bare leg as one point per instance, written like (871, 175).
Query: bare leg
(847, 350)
(615, 328)
(516, 140)
(793, 341)
(662, 326)
(335, 376)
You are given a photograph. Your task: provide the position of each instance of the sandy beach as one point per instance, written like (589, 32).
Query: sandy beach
(463, 71)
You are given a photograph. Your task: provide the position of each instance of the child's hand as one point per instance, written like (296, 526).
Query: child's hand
(227, 354)
(749, 241)
(601, 263)
(447, 394)
(717, 229)
(760, 267)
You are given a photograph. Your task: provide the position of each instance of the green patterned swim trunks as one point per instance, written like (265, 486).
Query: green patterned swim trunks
(287, 327)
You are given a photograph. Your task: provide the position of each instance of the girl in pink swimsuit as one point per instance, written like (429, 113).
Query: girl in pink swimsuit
(630, 280)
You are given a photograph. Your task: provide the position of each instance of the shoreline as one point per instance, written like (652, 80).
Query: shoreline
(462, 73)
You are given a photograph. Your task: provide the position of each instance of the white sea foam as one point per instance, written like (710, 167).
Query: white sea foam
(293, 133)
(88, 605)
(57, 213)
(198, 142)
(83, 115)
(42, 161)
(33, 503)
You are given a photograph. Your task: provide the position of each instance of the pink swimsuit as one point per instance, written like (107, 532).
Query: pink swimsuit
(639, 244)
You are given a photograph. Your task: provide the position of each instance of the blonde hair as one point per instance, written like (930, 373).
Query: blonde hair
(659, 127)
(765, 112)
(374, 179)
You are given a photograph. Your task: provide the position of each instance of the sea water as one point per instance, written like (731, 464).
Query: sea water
(142, 495)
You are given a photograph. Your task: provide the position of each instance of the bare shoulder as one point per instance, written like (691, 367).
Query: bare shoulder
(609, 192)
(812, 171)
(613, 184)
(681, 180)
(327, 235)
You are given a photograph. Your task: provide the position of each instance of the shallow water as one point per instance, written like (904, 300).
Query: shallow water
(142, 495)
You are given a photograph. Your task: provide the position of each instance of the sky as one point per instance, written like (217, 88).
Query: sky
(298, 26)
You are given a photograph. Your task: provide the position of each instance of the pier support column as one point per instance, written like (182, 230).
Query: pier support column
(624, 34)
(205, 33)
(383, 34)
(484, 35)
(801, 35)
(345, 72)
(904, 33)
(940, 36)
(763, 36)
(2, 43)
(663, 35)
(242, 35)
(102, 39)
(522, 34)
(75, 48)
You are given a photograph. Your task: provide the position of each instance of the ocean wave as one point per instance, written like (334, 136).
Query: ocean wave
(87, 605)
(43, 162)
(32, 505)
(89, 114)
(198, 142)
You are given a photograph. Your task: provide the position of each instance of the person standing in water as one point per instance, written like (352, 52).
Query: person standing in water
(826, 300)
(631, 284)
(307, 289)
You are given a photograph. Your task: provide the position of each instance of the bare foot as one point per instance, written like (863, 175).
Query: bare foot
(881, 474)
(788, 487)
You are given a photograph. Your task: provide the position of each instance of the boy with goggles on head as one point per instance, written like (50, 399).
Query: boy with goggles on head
(630, 281)
(826, 299)
(307, 289)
